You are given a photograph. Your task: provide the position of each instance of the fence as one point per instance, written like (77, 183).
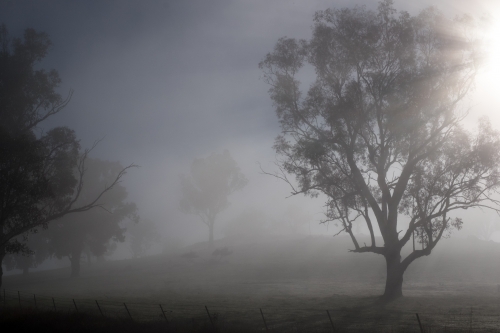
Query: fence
(270, 318)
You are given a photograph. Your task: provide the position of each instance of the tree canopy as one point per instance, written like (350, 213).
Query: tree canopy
(96, 228)
(379, 130)
(205, 191)
(41, 170)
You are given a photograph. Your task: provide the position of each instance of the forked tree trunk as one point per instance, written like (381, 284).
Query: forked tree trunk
(394, 279)
(75, 262)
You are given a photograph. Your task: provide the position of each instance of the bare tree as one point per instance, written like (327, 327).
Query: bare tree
(378, 132)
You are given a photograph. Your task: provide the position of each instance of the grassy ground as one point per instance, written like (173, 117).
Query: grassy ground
(293, 282)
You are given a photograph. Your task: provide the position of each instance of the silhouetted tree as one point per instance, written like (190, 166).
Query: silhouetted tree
(378, 132)
(205, 191)
(69, 236)
(37, 168)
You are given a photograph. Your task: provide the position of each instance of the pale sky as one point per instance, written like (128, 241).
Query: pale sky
(164, 82)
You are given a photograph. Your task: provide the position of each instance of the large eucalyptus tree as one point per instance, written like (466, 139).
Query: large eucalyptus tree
(379, 130)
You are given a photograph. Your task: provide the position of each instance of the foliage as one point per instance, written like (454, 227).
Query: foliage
(378, 132)
(38, 183)
(37, 244)
(205, 191)
(96, 228)
(36, 170)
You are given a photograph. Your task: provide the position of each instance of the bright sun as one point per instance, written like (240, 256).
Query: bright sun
(492, 69)
(487, 92)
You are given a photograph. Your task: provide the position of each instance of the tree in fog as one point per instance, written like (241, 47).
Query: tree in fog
(37, 244)
(96, 229)
(205, 191)
(379, 130)
(38, 183)
(142, 235)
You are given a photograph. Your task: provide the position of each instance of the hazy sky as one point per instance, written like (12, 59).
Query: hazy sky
(167, 81)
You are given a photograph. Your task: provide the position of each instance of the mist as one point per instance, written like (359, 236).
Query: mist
(164, 86)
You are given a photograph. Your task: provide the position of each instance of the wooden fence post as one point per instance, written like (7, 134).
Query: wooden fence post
(263, 319)
(210, 317)
(164, 315)
(54, 302)
(331, 321)
(102, 314)
(420, 324)
(128, 311)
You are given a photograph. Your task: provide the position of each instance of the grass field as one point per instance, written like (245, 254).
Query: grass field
(293, 282)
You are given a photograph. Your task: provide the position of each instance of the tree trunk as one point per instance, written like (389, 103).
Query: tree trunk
(26, 271)
(394, 279)
(75, 262)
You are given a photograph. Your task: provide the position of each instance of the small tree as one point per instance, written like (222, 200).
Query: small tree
(205, 191)
(378, 132)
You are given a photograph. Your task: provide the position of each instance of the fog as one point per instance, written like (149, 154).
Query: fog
(162, 83)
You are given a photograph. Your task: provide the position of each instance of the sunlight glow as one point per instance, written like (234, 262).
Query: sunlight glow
(492, 69)
(486, 95)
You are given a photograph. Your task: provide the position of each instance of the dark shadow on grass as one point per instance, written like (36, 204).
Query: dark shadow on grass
(31, 320)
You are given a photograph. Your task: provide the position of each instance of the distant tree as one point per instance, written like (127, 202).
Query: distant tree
(378, 132)
(142, 235)
(93, 230)
(205, 190)
(37, 168)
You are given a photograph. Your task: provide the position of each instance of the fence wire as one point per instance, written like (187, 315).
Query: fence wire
(270, 318)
